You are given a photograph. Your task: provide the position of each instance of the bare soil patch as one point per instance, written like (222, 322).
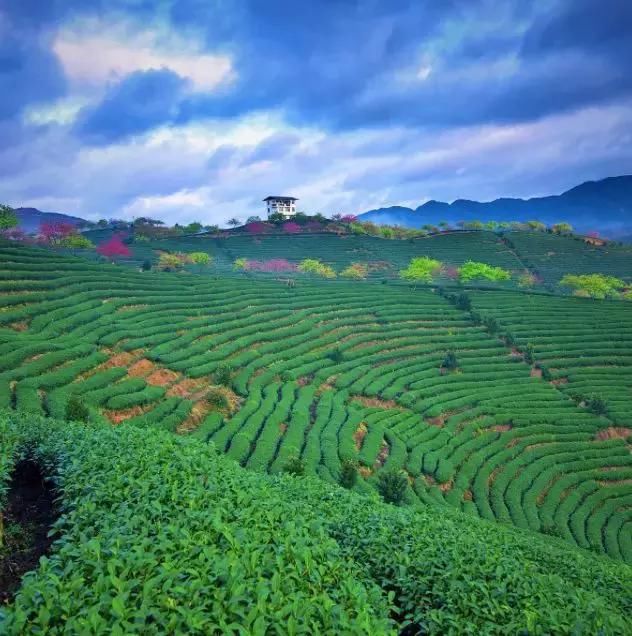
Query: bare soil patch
(162, 377)
(613, 432)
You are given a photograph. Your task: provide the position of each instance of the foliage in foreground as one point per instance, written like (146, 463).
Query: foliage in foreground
(162, 535)
(421, 269)
(472, 270)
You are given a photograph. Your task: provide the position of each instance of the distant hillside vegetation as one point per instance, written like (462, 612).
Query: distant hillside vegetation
(31, 218)
(604, 205)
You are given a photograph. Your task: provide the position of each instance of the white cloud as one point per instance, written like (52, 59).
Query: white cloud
(93, 53)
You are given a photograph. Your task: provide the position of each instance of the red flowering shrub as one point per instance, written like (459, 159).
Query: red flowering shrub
(256, 227)
(272, 265)
(114, 247)
(451, 272)
(349, 218)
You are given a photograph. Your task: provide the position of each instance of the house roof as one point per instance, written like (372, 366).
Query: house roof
(281, 198)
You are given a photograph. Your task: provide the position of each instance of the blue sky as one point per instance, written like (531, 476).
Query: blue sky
(197, 109)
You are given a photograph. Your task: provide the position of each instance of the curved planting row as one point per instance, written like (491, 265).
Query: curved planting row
(388, 378)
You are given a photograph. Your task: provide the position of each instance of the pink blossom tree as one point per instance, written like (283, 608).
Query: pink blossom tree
(53, 233)
(291, 228)
(349, 218)
(256, 227)
(114, 247)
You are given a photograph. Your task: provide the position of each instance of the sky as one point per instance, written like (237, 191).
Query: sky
(188, 110)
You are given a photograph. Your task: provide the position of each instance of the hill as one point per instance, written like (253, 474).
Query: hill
(31, 218)
(604, 205)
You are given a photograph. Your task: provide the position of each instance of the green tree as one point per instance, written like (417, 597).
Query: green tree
(193, 228)
(253, 219)
(593, 285)
(472, 270)
(392, 485)
(199, 258)
(421, 269)
(355, 270)
(223, 375)
(76, 241)
(234, 222)
(562, 228)
(597, 405)
(538, 226)
(8, 218)
(314, 266)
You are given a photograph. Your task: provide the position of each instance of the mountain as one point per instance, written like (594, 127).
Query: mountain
(30, 219)
(604, 205)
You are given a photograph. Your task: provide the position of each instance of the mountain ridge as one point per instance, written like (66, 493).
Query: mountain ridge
(604, 205)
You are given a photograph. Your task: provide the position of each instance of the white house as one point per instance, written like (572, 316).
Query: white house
(281, 205)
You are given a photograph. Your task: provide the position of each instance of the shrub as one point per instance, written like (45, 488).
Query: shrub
(355, 270)
(472, 270)
(422, 269)
(294, 466)
(450, 362)
(240, 263)
(8, 218)
(217, 399)
(169, 261)
(314, 266)
(463, 302)
(597, 405)
(291, 228)
(529, 354)
(562, 228)
(392, 485)
(348, 473)
(336, 356)
(146, 266)
(76, 411)
(223, 375)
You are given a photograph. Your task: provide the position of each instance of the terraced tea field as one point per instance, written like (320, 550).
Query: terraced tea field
(329, 372)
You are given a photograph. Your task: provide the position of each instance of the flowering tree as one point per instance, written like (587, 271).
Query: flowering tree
(291, 228)
(355, 270)
(114, 247)
(349, 218)
(53, 233)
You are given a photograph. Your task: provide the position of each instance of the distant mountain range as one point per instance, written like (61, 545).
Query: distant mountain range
(30, 219)
(604, 206)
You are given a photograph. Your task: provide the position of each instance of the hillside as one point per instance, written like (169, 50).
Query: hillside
(328, 372)
(604, 205)
(29, 219)
(547, 255)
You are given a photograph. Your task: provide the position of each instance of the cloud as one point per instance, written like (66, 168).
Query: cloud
(140, 102)
(94, 52)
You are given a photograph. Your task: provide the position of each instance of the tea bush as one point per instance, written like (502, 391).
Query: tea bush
(159, 534)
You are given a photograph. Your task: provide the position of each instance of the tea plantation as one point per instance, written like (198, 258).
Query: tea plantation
(507, 411)
(160, 534)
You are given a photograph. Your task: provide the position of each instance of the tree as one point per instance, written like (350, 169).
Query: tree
(392, 485)
(193, 228)
(144, 220)
(348, 473)
(253, 219)
(102, 223)
(224, 375)
(53, 233)
(597, 405)
(76, 241)
(593, 285)
(463, 302)
(421, 269)
(538, 226)
(146, 266)
(234, 222)
(114, 247)
(562, 228)
(8, 217)
(199, 258)
(472, 270)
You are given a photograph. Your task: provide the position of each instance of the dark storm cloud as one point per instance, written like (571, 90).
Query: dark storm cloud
(140, 102)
